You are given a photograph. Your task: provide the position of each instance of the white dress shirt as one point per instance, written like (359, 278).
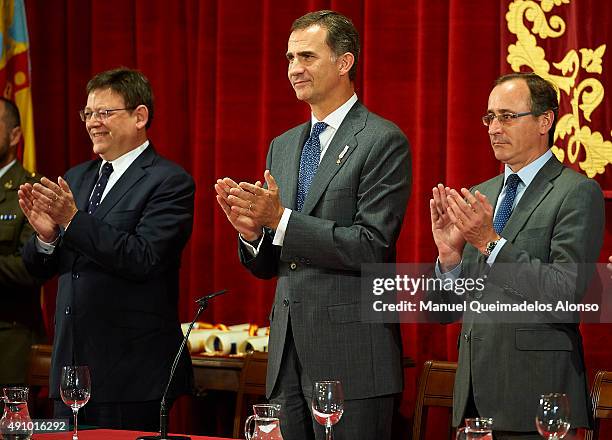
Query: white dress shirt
(120, 166)
(333, 121)
(526, 174)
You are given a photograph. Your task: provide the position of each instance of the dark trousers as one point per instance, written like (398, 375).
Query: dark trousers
(471, 411)
(362, 419)
(132, 416)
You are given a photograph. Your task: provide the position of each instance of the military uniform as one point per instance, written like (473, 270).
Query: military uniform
(21, 322)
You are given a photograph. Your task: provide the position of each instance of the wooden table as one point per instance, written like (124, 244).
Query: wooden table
(222, 373)
(219, 373)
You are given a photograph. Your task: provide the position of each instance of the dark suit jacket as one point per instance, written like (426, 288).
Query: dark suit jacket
(352, 215)
(19, 291)
(557, 223)
(119, 280)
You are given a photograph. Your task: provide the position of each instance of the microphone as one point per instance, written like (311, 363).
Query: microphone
(163, 410)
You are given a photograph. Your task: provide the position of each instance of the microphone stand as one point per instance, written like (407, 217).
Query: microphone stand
(163, 410)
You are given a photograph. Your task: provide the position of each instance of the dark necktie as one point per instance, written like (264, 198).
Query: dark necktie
(96, 196)
(505, 209)
(309, 162)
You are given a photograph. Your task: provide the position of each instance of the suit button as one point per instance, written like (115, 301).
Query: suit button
(286, 302)
(292, 266)
(467, 337)
(75, 275)
(68, 310)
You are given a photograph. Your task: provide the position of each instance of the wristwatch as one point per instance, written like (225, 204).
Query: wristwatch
(490, 246)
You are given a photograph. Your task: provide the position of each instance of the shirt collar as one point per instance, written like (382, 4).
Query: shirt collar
(528, 172)
(335, 118)
(7, 167)
(122, 163)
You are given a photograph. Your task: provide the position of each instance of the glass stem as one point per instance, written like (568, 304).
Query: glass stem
(75, 434)
(328, 432)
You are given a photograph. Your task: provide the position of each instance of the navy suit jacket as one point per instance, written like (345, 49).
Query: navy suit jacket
(118, 284)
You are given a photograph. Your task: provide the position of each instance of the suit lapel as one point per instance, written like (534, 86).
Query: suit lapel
(291, 168)
(126, 182)
(493, 189)
(87, 183)
(352, 124)
(534, 194)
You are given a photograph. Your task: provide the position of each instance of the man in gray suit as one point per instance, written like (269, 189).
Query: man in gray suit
(536, 242)
(336, 192)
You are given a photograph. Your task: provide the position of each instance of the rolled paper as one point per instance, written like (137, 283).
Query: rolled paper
(244, 327)
(197, 326)
(225, 342)
(255, 343)
(263, 331)
(197, 339)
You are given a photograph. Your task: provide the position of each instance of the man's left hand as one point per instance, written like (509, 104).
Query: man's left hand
(55, 199)
(472, 214)
(261, 204)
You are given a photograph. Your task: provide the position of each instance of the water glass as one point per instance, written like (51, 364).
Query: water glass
(553, 417)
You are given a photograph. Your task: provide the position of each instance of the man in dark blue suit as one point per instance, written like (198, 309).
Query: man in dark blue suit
(113, 230)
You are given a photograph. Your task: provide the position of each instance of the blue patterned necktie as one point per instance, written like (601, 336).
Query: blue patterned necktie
(96, 196)
(505, 209)
(309, 162)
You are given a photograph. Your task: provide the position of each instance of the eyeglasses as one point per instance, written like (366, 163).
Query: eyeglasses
(101, 115)
(503, 118)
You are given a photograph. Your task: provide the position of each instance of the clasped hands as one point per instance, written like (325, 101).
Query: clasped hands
(250, 207)
(47, 206)
(457, 219)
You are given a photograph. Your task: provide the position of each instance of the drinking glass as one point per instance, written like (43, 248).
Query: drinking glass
(15, 423)
(265, 422)
(479, 428)
(75, 389)
(552, 419)
(327, 404)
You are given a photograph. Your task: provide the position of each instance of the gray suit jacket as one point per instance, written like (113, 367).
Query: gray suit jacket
(558, 222)
(352, 215)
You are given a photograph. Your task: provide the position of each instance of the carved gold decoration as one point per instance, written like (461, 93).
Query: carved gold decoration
(585, 97)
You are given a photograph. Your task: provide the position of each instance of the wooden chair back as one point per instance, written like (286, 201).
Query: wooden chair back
(601, 397)
(38, 381)
(435, 389)
(39, 366)
(252, 383)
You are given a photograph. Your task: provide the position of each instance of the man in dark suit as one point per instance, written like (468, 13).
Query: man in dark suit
(536, 243)
(336, 192)
(21, 323)
(113, 230)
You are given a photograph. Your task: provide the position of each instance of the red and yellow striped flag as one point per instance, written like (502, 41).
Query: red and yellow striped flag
(15, 71)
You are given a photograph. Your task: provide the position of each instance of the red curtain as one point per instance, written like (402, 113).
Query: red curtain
(219, 75)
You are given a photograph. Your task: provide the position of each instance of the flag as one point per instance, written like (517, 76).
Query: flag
(15, 71)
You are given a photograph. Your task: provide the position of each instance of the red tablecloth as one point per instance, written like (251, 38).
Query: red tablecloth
(106, 434)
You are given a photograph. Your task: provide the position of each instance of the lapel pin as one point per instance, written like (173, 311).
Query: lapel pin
(342, 153)
(8, 184)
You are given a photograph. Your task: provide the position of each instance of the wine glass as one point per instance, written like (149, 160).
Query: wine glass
(75, 389)
(552, 419)
(327, 404)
